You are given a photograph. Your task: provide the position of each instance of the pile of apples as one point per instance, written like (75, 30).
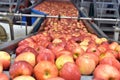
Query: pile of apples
(65, 50)
(63, 8)
(62, 57)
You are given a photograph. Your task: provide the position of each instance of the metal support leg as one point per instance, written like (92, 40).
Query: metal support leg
(116, 33)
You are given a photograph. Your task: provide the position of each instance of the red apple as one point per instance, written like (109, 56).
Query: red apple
(30, 49)
(20, 49)
(1, 67)
(4, 76)
(46, 54)
(106, 54)
(106, 72)
(28, 57)
(5, 59)
(28, 42)
(62, 52)
(103, 47)
(93, 56)
(93, 49)
(113, 45)
(86, 64)
(20, 68)
(55, 78)
(60, 61)
(115, 53)
(111, 61)
(24, 77)
(70, 71)
(44, 70)
(55, 48)
(117, 48)
(77, 51)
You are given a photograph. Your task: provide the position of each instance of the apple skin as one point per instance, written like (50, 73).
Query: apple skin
(106, 72)
(46, 54)
(24, 77)
(86, 64)
(55, 78)
(5, 59)
(20, 68)
(63, 52)
(77, 51)
(70, 71)
(4, 76)
(30, 49)
(44, 70)
(93, 56)
(93, 49)
(111, 61)
(28, 57)
(113, 45)
(106, 54)
(60, 61)
(103, 47)
(1, 68)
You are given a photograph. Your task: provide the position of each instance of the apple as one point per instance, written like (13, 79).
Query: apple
(20, 68)
(77, 51)
(117, 48)
(113, 45)
(5, 59)
(115, 53)
(106, 54)
(24, 77)
(28, 42)
(93, 48)
(62, 52)
(86, 64)
(103, 47)
(46, 54)
(93, 56)
(4, 76)
(55, 78)
(111, 61)
(44, 70)
(70, 71)
(56, 47)
(106, 72)
(60, 61)
(30, 49)
(1, 67)
(19, 49)
(28, 57)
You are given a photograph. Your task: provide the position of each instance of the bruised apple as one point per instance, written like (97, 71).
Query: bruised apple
(44, 70)
(5, 59)
(70, 71)
(28, 57)
(20, 68)
(24, 77)
(60, 61)
(4, 76)
(86, 64)
(106, 72)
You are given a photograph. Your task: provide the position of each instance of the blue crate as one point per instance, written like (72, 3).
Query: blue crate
(33, 19)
